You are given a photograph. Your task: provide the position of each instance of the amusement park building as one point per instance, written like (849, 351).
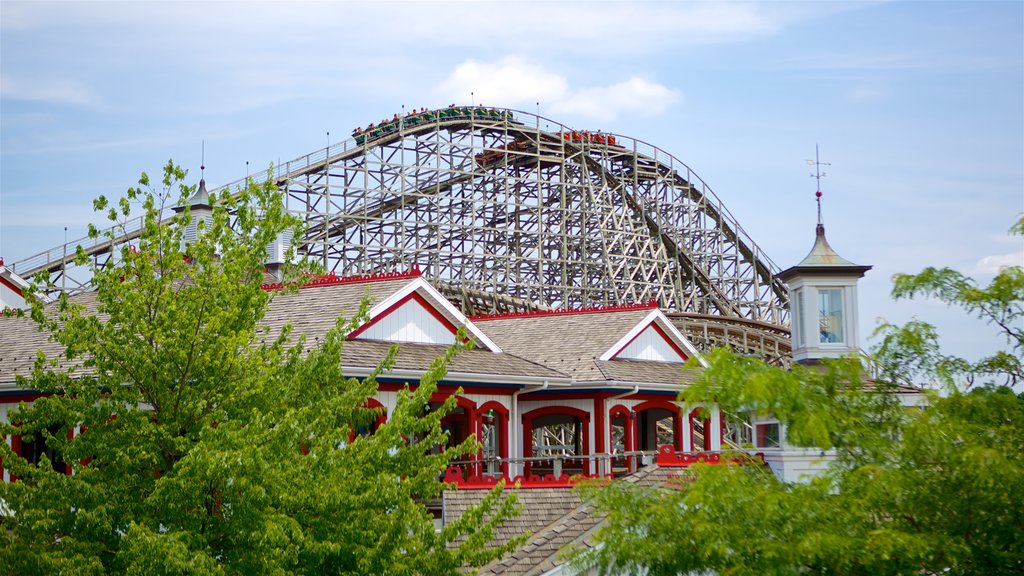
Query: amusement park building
(588, 268)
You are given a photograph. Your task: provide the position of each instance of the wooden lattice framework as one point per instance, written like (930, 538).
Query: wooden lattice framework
(506, 210)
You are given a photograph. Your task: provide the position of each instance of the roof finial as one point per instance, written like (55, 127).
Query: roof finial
(202, 165)
(818, 175)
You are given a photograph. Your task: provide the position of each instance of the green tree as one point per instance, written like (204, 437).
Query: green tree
(937, 489)
(911, 352)
(208, 444)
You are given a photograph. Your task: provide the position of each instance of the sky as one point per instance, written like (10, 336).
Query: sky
(918, 107)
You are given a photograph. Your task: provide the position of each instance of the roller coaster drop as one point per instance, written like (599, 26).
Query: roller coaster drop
(504, 215)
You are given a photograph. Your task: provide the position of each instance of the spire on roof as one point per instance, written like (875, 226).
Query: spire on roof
(818, 175)
(821, 256)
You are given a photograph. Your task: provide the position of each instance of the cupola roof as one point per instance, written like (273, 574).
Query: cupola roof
(822, 259)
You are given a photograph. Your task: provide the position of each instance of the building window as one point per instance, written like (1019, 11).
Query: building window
(33, 447)
(798, 314)
(768, 435)
(830, 315)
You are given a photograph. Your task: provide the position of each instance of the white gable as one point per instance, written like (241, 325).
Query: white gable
(411, 321)
(430, 313)
(654, 338)
(650, 345)
(12, 288)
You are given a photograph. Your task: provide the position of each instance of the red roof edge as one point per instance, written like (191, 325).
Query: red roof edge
(331, 279)
(650, 305)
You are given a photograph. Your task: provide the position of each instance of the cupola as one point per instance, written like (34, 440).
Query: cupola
(823, 301)
(200, 210)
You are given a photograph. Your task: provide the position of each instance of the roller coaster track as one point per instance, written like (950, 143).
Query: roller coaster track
(509, 215)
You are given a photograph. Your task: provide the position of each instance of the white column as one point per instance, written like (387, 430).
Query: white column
(716, 428)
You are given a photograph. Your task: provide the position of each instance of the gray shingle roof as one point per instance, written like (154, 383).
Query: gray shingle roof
(21, 339)
(315, 309)
(572, 343)
(367, 353)
(567, 342)
(312, 311)
(648, 371)
(556, 518)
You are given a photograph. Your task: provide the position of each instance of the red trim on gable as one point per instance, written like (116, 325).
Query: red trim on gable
(565, 312)
(331, 279)
(414, 295)
(664, 335)
(671, 342)
(12, 286)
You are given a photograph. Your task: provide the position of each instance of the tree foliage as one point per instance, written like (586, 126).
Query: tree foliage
(910, 352)
(210, 445)
(932, 489)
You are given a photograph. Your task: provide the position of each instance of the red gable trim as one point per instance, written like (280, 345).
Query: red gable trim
(664, 336)
(566, 312)
(11, 285)
(415, 295)
(332, 279)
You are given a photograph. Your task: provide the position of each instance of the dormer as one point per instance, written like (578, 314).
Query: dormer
(418, 313)
(823, 303)
(655, 339)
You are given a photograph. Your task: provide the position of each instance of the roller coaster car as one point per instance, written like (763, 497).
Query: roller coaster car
(596, 138)
(415, 119)
(492, 156)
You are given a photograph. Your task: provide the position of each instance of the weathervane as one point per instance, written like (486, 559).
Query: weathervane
(818, 175)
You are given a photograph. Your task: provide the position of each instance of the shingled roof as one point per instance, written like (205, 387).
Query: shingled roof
(556, 518)
(21, 339)
(572, 342)
(312, 311)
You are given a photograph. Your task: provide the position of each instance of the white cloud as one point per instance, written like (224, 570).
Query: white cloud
(513, 81)
(991, 265)
(635, 95)
(509, 81)
(54, 91)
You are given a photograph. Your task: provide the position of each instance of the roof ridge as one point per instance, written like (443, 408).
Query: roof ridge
(332, 279)
(597, 362)
(649, 305)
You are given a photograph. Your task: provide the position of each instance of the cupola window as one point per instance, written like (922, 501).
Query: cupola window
(830, 315)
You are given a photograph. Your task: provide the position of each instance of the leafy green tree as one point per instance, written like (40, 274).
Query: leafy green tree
(208, 444)
(911, 352)
(937, 489)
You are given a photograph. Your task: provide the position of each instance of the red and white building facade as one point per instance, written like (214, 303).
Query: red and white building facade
(549, 394)
(573, 391)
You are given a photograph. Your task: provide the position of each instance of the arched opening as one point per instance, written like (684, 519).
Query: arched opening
(658, 423)
(559, 437)
(700, 431)
(373, 421)
(620, 428)
(460, 422)
(33, 447)
(493, 439)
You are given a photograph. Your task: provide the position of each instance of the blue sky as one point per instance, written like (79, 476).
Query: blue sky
(918, 106)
